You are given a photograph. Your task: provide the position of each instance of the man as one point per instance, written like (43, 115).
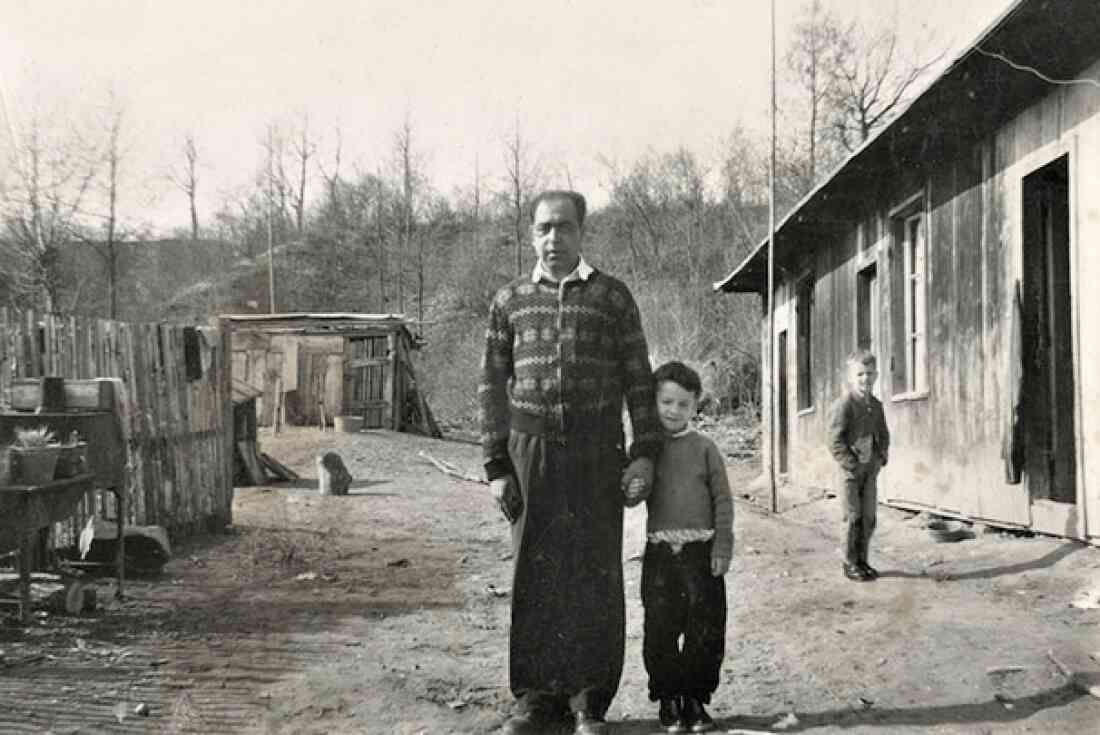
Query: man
(563, 350)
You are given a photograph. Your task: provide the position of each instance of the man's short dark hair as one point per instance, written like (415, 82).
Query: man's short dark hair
(680, 374)
(579, 205)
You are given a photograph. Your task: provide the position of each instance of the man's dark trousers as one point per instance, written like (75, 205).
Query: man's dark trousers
(682, 597)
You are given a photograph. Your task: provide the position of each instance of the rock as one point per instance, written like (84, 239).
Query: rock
(1088, 597)
(333, 477)
(786, 722)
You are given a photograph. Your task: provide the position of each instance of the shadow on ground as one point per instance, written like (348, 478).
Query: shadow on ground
(1001, 711)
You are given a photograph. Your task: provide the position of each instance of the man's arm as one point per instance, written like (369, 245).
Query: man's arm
(640, 393)
(838, 436)
(637, 381)
(492, 391)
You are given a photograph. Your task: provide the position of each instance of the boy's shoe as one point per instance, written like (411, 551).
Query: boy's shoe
(869, 570)
(696, 717)
(856, 573)
(589, 724)
(671, 715)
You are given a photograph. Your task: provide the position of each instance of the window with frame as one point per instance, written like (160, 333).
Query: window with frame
(804, 297)
(910, 300)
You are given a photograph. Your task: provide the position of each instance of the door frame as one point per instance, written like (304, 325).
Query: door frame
(1048, 516)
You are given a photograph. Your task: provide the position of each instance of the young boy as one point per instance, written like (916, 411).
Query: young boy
(689, 535)
(860, 443)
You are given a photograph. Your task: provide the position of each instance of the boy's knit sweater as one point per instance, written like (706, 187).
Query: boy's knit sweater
(691, 491)
(563, 357)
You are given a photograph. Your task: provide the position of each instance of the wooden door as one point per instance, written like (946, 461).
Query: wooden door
(367, 381)
(312, 369)
(1049, 391)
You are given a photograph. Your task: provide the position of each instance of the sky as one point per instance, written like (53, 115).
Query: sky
(583, 79)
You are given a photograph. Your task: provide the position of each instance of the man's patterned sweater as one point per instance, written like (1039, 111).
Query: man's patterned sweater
(563, 358)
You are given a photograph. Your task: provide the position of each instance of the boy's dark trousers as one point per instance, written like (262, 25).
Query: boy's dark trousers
(682, 597)
(860, 510)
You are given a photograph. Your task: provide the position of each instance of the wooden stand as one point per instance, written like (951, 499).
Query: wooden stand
(26, 509)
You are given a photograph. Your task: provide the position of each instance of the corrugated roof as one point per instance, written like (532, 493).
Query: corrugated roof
(974, 95)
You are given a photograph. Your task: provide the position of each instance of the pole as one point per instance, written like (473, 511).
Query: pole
(270, 216)
(769, 297)
(270, 260)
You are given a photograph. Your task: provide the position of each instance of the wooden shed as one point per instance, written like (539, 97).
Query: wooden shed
(958, 243)
(311, 368)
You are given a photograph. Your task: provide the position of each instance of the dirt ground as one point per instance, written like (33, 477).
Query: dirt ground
(387, 612)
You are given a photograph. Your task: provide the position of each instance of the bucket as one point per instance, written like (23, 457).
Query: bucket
(348, 424)
(34, 466)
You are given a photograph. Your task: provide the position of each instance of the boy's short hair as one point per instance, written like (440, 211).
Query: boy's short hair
(862, 356)
(680, 374)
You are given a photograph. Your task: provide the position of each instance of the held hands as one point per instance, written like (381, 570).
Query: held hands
(637, 479)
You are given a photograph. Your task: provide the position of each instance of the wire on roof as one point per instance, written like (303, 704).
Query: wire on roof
(1036, 72)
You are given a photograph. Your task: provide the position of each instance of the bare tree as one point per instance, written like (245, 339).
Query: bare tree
(47, 180)
(819, 43)
(185, 177)
(409, 178)
(873, 76)
(304, 148)
(108, 246)
(332, 175)
(521, 173)
(635, 191)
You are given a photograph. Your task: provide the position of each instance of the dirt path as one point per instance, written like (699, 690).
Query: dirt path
(386, 612)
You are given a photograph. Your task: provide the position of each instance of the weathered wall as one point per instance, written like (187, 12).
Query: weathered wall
(947, 443)
(180, 427)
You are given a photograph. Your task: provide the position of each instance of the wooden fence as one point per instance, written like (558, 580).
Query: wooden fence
(180, 434)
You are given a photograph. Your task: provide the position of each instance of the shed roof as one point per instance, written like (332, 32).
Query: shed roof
(971, 98)
(317, 323)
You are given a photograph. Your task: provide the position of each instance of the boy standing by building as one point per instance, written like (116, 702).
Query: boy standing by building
(860, 442)
(689, 535)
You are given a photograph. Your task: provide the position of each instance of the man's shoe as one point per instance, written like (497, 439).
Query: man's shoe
(589, 724)
(671, 715)
(855, 573)
(696, 717)
(868, 570)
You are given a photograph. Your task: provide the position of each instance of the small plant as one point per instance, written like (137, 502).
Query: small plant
(36, 438)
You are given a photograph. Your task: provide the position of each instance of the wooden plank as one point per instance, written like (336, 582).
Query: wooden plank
(88, 395)
(30, 343)
(393, 420)
(968, 335)
(247, 450)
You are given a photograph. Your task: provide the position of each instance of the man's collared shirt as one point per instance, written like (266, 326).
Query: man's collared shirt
(581, 272)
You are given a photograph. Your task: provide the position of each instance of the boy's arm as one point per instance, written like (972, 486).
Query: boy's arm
(722, 501)
(838, 436)
(885, 431)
